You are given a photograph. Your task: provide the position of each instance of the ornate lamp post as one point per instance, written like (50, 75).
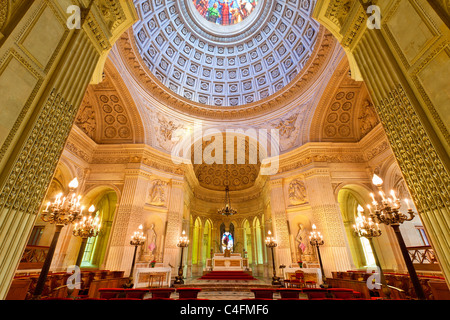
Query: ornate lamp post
(368, 229)
(271, 243)
(63, 211)
(316, 240)
(387, 212)
(137, 240)
(86, 228)
(183, 242)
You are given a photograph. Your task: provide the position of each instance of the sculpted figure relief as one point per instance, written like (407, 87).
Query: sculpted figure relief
(86, 120)
(157, 194)
(165, 131)
(297, 192)
(368, 118)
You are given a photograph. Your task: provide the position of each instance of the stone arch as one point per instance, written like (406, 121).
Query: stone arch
(345, 112)
(108, 113)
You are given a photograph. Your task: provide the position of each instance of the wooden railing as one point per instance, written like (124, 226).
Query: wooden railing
(423, 258)
(33, 257)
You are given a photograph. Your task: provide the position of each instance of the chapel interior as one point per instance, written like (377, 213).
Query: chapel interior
(247, 149)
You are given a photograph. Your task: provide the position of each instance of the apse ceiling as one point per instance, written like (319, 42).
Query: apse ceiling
(225, 65)
(242, 170)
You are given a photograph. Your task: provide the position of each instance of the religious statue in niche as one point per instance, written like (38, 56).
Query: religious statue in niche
(150, 245)
(157, 194)
(305, 252)
(297, 192)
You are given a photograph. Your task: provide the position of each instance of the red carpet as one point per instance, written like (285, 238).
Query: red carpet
(227, 275)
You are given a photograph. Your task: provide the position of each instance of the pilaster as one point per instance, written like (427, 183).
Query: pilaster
(327, 217)
(279, 223)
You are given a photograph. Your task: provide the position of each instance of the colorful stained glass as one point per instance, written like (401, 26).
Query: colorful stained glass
(225, 12)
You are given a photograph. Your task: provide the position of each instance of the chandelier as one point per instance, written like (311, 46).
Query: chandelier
(366, 227)
(227, 210)
(88, 226)
(64, 210)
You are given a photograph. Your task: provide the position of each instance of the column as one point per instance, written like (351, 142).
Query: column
(174, 224)
(128, 217)
(327, 217)
(44, 72)
(403, 74)
(279, 223)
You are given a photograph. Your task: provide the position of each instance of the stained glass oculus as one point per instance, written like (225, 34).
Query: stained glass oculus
(225, 12)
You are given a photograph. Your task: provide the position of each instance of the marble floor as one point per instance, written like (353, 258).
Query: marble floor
(226, 289)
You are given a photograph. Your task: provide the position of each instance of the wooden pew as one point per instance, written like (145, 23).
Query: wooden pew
(439, 290)
(19, 289)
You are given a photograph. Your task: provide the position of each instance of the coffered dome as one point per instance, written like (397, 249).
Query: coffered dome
(225, 65)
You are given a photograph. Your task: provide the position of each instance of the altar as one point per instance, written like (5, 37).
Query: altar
(233, 262)
(144, 277)
(311, 274)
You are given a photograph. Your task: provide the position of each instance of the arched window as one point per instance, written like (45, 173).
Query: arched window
(95, 250)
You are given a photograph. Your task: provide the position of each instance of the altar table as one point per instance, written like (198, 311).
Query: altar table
(232, 263)
(311, 274)
(142, 276)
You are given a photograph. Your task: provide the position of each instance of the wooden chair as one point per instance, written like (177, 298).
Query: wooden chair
(299, 280)
(157, 278)
(188, 293)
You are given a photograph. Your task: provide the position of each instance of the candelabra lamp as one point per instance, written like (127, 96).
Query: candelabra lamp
(316, 240)
(88, 227)
(387, 211)
(368, 229)
(137, 240)
(271, 243)
(183, 242)
(63, 211)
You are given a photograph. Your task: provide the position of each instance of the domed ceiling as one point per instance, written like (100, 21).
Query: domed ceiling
(225, 65)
